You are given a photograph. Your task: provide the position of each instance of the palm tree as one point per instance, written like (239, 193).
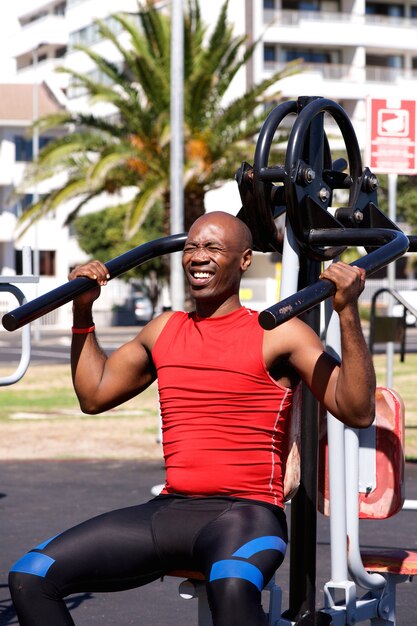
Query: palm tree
(130, 149)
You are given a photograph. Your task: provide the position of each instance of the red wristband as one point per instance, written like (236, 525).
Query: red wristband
(83, 331)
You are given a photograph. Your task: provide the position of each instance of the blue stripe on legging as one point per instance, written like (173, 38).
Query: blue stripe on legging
(270, 542)
(237, 569)
(43, 545)
(33, 563)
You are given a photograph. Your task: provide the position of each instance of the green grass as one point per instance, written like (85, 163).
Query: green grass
(404, 381)
(35, 400)
(47, 391)
(42, 389)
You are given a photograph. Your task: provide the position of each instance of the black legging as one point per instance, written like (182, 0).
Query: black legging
(236, 544)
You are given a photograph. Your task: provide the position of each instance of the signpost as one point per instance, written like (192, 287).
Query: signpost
(392, 136)
(391, 149)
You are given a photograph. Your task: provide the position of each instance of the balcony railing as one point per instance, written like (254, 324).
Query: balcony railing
(390, 74)
(337, 71)
(293, 18)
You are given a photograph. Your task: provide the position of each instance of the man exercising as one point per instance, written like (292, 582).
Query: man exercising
(225, 388)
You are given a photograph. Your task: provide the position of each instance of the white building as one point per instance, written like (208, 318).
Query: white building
(351, 49)
(49, 239)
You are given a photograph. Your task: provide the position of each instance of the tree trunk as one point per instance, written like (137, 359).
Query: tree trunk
(193, 205)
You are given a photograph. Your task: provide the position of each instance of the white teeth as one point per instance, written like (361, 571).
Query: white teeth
(201, 275)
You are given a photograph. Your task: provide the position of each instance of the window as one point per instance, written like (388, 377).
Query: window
(312, 56)
(269, 4)
(305, 5)
(22, 204)
(85, 36)
(47, 262)
(379, 8)
(270, 53)
(60, 9)
(91, 34)
(60, 52)
(24, 147)
(389, 60)
(311, 5)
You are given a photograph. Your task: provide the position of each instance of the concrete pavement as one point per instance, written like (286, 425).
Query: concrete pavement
(39, 499)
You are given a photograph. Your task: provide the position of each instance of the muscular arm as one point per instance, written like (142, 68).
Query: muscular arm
(102, 382)
(354, 391)
(355, 386)
(346, 389)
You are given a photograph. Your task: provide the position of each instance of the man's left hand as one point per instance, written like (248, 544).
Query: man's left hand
(349, 281)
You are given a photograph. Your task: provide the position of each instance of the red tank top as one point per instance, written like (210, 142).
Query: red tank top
(223, 416)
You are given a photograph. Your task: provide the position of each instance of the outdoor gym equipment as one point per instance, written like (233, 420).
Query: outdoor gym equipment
(8, 285)
(316, 232)
(304, 188)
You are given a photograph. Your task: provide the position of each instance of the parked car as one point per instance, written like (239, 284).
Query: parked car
(142, 307)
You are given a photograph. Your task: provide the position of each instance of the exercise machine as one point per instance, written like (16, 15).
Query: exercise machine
(304, 189)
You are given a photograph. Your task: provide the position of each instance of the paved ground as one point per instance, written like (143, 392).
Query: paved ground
(39, 499)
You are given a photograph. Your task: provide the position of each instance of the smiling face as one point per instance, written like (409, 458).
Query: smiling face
(216, 253)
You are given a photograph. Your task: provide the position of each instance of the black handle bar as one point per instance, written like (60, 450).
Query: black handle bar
(394, 244)
(65, 293)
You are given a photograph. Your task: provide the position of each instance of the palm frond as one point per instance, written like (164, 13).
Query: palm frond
(157, 32)
(54, 120)
(130, 150)
(109, 161)
(148, 58)
(149, 195)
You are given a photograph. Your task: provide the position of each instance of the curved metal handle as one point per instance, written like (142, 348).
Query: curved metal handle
(308, 186)
(395, 244)
(65, 293)
(25, 354)
(265, 138)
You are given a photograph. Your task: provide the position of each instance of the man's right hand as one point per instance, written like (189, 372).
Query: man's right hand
(96, 270)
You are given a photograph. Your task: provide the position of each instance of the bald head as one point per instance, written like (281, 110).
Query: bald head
(234, 228)
(217, 252)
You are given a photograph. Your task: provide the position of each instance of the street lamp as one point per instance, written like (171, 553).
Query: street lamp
(177, 147)
(35, 153)
(35, 146)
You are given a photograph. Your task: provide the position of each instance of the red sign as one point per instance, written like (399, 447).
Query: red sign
(391, 136)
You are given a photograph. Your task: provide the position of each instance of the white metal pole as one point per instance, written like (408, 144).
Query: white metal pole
(337, 468)
(290, 263)
(392, 214)
(35, 146)
(177, 147)
(35, 153)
